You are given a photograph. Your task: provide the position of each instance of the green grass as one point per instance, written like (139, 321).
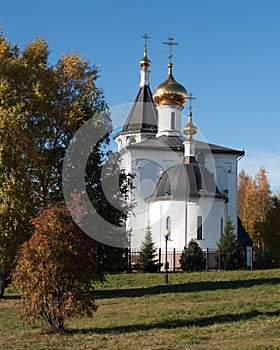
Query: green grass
(214, 310)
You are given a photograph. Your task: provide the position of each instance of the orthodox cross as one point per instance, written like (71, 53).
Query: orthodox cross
(170, 43)
(145, 37)
(191, 98)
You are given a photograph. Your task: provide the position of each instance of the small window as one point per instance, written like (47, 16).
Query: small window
(222, 225)
(199, 228)
(168, 223)
(172, 121)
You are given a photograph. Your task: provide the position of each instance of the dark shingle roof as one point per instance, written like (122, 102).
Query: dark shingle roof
(243, 236)
(186, 181)
(143, 114)
(175, 143)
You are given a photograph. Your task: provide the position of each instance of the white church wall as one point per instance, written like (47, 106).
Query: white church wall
(226, 179)
(211, 214)
(183, 216)
(125, 161)
(138, 223)
(159, 211)
(156, 222)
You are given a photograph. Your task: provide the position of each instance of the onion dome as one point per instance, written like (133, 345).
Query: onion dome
(170, 92)
(185, 181)
(145, 62)
(190, 129)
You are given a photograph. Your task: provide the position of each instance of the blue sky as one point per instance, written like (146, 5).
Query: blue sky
(228, 56)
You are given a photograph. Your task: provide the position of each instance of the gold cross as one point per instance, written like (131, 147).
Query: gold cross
(170, 43)
(190, 97)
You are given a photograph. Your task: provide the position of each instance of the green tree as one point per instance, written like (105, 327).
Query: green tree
(147, 261)
(270, 230)
(14, 194)
(229, 249)
(192, 258)
(262, 256)
(55, 270)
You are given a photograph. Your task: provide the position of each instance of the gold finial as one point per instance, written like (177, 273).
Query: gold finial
(145, 62)
(170, 43)
(190, 129)
(170, 65)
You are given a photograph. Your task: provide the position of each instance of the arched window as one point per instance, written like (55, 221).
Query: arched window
(222, 225)
(168, 223)
(172, 121)
(199, 228)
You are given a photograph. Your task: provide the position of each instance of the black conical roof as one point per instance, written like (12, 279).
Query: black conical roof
(243, 236)
(143, 114)
(185, 181)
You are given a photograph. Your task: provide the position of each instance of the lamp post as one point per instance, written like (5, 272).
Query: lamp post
(166, 261)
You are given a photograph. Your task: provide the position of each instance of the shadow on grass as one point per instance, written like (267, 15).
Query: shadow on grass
(177, 323)
(184, 288)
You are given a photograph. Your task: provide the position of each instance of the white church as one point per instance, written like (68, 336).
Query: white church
(184, 188)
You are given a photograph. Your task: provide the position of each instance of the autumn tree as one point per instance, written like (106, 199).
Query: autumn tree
(246, 198)
(254, 202)
(55, 270)
(192, 258)
(229, 249)
(41, 108)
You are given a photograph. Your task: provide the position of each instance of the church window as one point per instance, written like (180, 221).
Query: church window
(199, 228)
(172, 121)
(168, 223)
(222, 225)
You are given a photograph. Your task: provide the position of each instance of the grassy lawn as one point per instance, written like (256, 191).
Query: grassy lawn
(214, 310)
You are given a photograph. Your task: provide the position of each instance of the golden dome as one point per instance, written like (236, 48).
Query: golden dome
(190, 129)
(145, 62)
(170, 92)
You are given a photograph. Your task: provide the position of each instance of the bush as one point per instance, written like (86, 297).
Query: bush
(55, 270)
(192, 258)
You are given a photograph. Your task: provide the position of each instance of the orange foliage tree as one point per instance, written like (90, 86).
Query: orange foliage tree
(56, 269)
(254, 202)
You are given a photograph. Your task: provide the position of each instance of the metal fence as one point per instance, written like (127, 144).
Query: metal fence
(173, 259)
